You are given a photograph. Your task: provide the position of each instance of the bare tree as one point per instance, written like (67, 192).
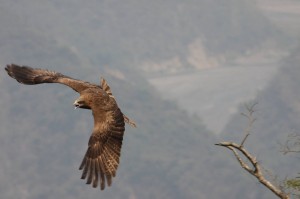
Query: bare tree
(251, 165)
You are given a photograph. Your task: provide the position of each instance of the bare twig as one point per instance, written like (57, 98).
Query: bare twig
(292, 144)
(251, 120)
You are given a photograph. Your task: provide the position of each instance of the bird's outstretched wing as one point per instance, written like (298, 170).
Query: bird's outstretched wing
(101, 160)
(30, 76)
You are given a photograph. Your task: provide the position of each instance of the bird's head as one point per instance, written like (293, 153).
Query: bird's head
(80, 103)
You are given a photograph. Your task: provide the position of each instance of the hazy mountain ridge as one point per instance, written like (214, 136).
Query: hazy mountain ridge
(138, 32)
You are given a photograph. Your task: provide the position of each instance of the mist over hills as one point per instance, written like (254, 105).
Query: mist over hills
(171, 153)
(215, 94)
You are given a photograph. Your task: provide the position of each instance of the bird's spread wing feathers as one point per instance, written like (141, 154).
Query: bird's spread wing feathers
(102, 157)
(30, 76)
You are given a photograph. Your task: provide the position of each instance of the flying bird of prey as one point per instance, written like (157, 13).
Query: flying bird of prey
(101, 160)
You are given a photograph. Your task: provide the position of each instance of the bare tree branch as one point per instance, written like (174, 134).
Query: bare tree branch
(254, 169)
(251, 165)
(251, 120)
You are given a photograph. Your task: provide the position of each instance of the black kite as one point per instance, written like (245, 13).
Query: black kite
(104, 147)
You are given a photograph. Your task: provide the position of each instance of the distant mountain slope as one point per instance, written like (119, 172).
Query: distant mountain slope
(215, 94)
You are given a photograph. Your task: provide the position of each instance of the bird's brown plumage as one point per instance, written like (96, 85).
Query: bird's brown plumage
(102, 157)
